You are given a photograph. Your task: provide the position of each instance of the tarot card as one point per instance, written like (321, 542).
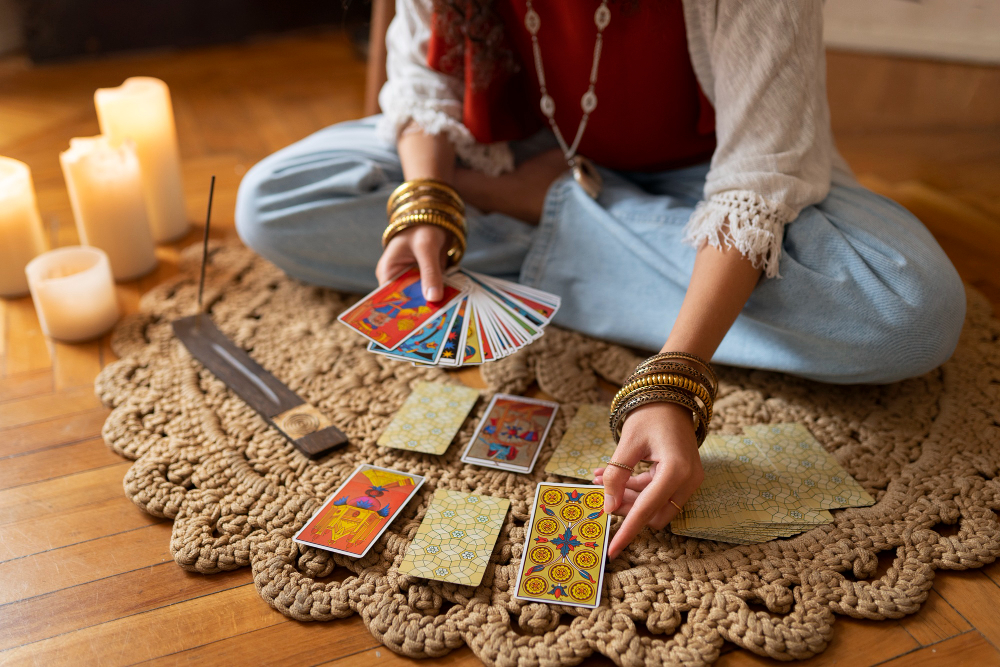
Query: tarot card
(511, 433)
(426, 344)
(503, 299)
(456, 538)
(359, 511)
(394, 312)
(471, 352)
(429, 418)
(587, 444)
(566, 546)
(453, 341)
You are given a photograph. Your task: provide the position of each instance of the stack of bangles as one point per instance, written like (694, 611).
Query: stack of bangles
(427, 201)
(668, 377)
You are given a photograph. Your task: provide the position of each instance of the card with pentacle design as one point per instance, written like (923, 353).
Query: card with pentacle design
(566, 547)
(456, 538)
(429, 418)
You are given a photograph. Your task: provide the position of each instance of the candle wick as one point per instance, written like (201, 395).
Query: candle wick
(204, 246)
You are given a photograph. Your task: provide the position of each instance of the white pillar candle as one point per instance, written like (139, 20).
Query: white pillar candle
(21, 236)
(140, 110)
(105, 189)
(74, 292)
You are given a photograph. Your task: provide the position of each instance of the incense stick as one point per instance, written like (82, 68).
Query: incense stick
(204, 246)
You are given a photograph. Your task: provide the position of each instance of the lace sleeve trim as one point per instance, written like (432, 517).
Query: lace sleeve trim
(491, 159)
(743, 220)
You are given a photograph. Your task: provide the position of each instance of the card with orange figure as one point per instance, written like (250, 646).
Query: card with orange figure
(359, 511)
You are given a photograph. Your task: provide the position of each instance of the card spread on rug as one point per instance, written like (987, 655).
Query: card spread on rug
(774, 481)
(566, 547)
(586, 445)
(511, 433)
(456, 538)
(359, 511)
(480, 318)
(429, 418)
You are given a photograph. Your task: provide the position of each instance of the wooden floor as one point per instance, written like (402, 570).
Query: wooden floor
(85, 577)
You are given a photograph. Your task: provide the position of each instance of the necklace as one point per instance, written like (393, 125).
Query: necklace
(583, 169)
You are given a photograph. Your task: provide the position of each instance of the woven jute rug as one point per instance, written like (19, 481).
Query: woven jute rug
(927, 449)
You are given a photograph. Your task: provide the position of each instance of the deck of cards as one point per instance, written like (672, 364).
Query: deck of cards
(479, 319)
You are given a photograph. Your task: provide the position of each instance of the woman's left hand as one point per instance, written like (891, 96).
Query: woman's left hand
(664, 434)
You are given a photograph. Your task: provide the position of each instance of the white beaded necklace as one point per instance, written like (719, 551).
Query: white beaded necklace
(583, 169)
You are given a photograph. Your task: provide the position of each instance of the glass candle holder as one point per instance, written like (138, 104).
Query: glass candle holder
(74, 292)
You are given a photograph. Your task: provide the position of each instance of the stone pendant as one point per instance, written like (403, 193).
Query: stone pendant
(586, 174)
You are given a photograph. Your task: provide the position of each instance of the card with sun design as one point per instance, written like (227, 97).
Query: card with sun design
(566, 548)
(358, 512)
(456, 538)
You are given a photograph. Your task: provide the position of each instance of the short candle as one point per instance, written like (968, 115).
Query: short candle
(105, 189)
(21, 236)
(140, 110)
(74, 292)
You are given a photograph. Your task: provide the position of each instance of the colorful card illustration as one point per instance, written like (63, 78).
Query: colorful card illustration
(586, 445)
(426, 344)
(566, 547)
(429, 418)
(453, 341)
(359, 511)
(456, 538)
(394, 312)
(471, 353)
(511, 433)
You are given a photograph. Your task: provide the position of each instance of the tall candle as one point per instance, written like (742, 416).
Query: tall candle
(21, 236)
(74, 292)
(105, 189)
(140, 110)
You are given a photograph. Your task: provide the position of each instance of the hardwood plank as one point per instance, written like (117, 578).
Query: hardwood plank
(76, 364)
(82, 563)
(970, 648)
(26, 346)
(993, 572)
(61, 430)
(975, 596)
(47, 406)
(24, 385)
(56, 462)
(937, 620)
(62, 494)
(107, 600)
(3, 337)
(859, 643)
(287, 642)
(153, 634)
(31, 536)
(383, 657)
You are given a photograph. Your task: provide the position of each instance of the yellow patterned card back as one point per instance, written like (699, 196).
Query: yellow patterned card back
(819, 479)
(456, 538)
(586, 445)
(429, 418)
(566, 546)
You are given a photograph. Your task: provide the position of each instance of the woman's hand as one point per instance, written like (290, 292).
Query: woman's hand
(423, 245)
(664, 434)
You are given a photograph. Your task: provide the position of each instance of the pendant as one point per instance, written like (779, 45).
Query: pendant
(586, 174)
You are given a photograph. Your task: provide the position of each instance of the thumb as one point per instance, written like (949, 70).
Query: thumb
(427, 251)
(616, 478)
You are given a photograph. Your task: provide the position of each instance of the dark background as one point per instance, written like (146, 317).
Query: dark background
(62, 29)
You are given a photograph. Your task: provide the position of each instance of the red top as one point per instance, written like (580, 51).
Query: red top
(651, 113)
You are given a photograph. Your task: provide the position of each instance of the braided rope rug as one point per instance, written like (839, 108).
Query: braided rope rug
(928, 449)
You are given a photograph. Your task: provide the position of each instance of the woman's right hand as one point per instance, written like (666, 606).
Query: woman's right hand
(423, 245)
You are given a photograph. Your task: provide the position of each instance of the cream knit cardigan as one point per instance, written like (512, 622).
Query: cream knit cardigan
(760, 62)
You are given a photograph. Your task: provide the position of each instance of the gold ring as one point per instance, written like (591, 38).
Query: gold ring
(621, 465)
(675, 505)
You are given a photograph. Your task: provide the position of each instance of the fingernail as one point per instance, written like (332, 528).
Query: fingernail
(609, 504)
(433, 293)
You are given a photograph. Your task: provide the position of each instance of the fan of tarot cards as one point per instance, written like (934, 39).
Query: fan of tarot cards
(479, 319)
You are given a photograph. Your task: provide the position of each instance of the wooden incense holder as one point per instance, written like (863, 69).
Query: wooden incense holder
(304, 426)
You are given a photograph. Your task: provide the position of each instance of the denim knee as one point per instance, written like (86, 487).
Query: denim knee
(248, 214)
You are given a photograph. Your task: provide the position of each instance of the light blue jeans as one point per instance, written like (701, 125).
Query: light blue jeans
(866, 294)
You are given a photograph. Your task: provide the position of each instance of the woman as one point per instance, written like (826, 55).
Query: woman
(726, 225)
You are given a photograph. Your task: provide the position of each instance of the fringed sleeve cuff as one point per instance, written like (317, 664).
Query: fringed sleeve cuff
(491, 159)
(743, 220)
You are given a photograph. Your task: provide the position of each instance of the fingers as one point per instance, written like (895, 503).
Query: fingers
(629, 452)
(645, 507)
(427, 244)
(635, 482)
(668, 512)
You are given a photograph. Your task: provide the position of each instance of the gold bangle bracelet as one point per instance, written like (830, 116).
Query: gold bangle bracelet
(422, 217)
(658, 396)
(424, 194)
(666, 380)
(664, 356)
(429, 184)
(422, 205)
(701, 410)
